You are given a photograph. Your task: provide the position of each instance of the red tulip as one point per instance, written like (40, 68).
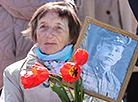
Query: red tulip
(36, 76)
(70, 72)
(80, 57)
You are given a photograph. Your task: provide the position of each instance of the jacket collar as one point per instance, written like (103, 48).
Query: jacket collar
(31, 57)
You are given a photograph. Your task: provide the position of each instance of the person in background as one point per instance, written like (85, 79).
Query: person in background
(114, 12)
(54, 28)
(117, 13)
(132, 89)
(14, 18)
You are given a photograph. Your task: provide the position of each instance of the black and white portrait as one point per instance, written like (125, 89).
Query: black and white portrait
(110, 54)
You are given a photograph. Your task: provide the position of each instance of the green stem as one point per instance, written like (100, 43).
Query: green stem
(81, 90)
(56, 74)
(75, 92)
(70, 91)
(60, 85)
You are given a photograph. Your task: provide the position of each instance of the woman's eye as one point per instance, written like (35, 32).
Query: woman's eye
(43, 26)
(58, 29)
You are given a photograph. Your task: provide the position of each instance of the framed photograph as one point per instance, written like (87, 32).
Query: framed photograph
(112, 56)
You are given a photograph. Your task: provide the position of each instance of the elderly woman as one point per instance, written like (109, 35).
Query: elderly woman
(54, 28)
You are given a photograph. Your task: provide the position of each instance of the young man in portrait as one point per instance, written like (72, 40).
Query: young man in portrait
(98, 73)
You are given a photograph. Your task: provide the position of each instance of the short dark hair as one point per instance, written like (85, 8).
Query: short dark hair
(64, 11)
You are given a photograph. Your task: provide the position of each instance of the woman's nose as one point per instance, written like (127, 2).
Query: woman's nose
(49, 32)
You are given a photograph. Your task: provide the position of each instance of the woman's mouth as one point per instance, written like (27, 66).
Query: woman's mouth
(49, 44)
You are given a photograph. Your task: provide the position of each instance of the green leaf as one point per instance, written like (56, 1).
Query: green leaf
(61, 93)
(56, 80)
(78, 91)
(70, 91)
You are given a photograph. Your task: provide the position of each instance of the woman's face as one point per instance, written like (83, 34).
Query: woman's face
(52, 33)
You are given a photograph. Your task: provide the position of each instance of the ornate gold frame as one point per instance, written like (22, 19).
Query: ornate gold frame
(132, 62)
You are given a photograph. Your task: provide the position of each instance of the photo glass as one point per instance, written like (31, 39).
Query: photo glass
(112, 56)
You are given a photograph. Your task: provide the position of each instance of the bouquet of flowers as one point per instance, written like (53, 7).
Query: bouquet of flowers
(70, 72)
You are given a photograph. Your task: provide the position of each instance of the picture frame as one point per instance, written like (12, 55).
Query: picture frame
(96, 84)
